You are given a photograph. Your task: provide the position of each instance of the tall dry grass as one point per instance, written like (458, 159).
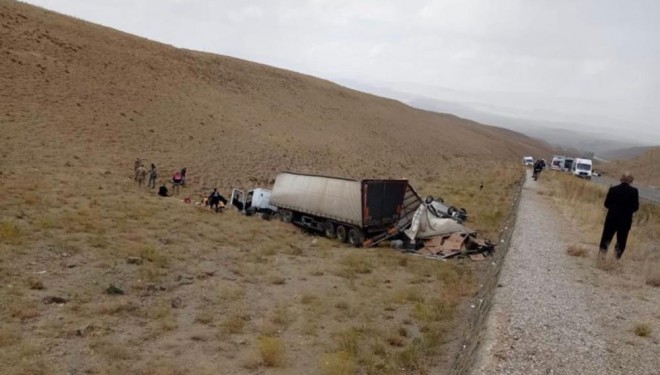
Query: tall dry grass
(582, 201)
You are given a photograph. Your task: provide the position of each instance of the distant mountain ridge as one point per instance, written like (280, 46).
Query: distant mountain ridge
(562, 133)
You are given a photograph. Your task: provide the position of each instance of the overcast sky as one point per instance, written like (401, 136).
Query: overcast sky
(576, 59)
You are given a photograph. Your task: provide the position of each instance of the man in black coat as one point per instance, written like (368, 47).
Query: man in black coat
(622, 202)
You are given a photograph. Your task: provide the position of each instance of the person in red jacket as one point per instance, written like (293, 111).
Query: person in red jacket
(622, 202)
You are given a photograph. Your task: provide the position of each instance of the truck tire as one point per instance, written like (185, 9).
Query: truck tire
(330, 230)
(355, 237)
(342, 233)
(287, 216)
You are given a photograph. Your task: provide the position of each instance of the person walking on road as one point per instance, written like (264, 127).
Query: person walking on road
(622, 202)
(538, 168)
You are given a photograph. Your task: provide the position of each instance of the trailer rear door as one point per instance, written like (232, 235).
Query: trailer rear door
(382, 201)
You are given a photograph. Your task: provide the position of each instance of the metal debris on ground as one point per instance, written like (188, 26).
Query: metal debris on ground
(441, 237)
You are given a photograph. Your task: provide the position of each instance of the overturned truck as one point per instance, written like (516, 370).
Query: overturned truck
(360, 212)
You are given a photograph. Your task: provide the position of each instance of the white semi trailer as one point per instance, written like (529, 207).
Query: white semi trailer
(360, 212)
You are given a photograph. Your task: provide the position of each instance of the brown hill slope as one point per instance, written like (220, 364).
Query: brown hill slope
(645, 167)
(90, 95)
(79, 102)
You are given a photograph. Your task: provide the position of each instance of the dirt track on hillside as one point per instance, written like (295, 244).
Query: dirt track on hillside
(556, 314)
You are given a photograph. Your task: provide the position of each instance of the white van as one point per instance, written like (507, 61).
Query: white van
(557, 162)
(583, 168)
(528, 160)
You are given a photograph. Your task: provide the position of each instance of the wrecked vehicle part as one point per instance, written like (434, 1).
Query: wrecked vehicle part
(360, 212)
(425, 224)
(252, 202)
(439, 209)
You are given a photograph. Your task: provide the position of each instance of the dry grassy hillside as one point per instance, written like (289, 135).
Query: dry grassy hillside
(91, 96)
(645, 168)
(212, 293)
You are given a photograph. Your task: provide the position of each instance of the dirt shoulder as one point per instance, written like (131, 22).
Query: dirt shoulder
(558, 314)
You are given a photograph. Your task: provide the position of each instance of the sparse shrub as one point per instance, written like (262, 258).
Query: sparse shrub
(411, 294)
(379, 349)
(204, 317)
(150, 272)
(23, 311)
(231, 294)
(349, 341)
(272, 351)
(117, 307)
(99, 241)
(607, 265)
(295, 250)
(233, 324)
(45, 222)
(307, 299)
(411, 357)
(35, 284)
(317, 273)
(277, 280)
(353, 264)
(433, 311)
(250, 362)
(653, 274)
(150, 253)
(281, 316)
(10, 232)
(643, 330)
(395, 340)
(342, 305)
(339, 363)
(9, 336)
(577, 250)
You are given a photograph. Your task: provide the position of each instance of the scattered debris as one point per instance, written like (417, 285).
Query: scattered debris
(55, 299)
(134, 260)
(113, 290)
(437, 236)
(36, 284)
(477, 257)
(176, 302)
(87, 330)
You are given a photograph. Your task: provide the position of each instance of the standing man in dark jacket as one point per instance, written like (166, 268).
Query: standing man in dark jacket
(622, 202)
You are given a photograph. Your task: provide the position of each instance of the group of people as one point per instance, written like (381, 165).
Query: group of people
(215, 200)
(141, 173)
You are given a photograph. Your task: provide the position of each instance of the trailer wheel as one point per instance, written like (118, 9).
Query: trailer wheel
(287, 216)
(355, 237)
(330, 230)
(341, 233)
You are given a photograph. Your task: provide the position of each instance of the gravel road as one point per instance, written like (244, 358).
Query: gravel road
(556, 314)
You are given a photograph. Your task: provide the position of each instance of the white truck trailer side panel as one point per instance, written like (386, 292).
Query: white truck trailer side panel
(327, 197)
